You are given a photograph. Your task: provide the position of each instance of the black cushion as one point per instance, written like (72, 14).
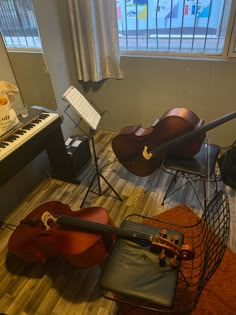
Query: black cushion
(196, 164)
(133, 270)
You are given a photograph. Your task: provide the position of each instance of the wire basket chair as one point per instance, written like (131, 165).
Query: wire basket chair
(132, 274)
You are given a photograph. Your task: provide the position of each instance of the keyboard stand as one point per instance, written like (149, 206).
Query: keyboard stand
(49, 139)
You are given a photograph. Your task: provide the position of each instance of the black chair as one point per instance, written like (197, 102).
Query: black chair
(200, 169)
(136, 275)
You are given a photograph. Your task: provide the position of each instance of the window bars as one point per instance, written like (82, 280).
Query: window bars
(177, 26)
(18, 24)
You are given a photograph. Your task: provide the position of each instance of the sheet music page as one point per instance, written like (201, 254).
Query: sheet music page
(82, 107)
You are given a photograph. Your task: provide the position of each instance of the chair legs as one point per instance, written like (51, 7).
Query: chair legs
(206, 189)
(198, 169)
(205, 183)
(171, 185)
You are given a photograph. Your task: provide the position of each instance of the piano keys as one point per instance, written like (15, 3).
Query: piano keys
(19, 136)
(40, 131)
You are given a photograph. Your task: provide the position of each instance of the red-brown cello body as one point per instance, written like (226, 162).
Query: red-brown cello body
(33, 243)
(129, 144)
(54, 230)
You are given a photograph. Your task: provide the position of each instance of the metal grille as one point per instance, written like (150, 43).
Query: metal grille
(207, 238)
(190, 26)
(18, 24)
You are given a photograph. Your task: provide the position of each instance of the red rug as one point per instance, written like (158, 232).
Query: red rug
(219, 295)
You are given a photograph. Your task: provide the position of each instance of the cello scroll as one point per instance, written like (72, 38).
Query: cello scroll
(184, 252)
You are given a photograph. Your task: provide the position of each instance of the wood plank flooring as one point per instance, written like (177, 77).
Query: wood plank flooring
(56, 287)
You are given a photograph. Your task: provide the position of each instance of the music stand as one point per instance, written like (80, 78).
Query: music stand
(87, 113)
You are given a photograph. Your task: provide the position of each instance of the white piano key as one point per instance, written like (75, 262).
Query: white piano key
(24, 133)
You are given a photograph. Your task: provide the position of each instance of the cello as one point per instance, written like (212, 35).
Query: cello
(83, 238)
(179, 133)
(33, 241)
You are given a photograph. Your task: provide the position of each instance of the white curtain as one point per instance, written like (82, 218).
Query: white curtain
(95, 39)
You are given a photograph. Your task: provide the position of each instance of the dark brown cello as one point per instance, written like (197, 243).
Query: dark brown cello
(83, 238)
(179, 133)
(38, 237)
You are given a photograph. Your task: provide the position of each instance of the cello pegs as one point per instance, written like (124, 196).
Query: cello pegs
(162, 258)
(175, 239)
(163, 233)
(174, 261)
(187, 253)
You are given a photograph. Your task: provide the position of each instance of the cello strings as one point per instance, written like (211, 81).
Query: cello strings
(76, 222)
(197, 131)
(94, 226)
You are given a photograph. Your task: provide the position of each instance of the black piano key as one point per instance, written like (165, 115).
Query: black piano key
(20, 132)
(43, 116)
(12, 137)
(28, 127)
(10, 140)
(4, 144)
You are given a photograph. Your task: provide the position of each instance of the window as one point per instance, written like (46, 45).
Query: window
(184, 27)
(174, 26)
(18, 24)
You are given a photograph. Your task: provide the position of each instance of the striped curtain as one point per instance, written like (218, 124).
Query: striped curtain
(95, 39)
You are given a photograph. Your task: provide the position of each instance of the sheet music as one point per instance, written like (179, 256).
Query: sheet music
(82, 107)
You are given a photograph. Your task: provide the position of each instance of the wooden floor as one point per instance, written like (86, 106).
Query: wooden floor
(56, 287)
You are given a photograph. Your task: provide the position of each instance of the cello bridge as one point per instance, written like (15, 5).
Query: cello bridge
(147, 155)
(46, 217)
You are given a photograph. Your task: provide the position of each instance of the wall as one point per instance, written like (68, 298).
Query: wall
(151, 85)
(54, 27)
(33, 78)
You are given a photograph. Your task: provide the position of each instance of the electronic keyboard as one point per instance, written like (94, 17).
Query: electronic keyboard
(17, 137)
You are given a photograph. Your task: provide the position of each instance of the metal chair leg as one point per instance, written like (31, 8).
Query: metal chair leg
(171, 185)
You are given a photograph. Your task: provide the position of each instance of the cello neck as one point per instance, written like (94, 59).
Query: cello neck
(103, 228)
(156, 242)
(213, 124)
